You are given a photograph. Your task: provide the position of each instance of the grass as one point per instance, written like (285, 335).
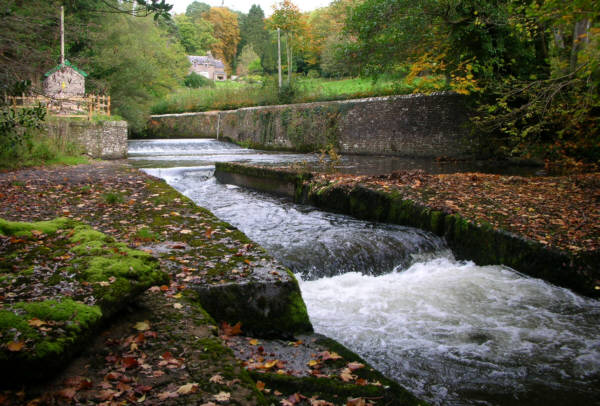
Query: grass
(231, 95)
(40, 149)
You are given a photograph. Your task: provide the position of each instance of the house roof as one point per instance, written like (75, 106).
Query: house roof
(207, 59)
(70, 65)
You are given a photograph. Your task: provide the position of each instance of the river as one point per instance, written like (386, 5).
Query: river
(452, 332)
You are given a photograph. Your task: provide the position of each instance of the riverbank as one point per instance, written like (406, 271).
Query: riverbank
(165, 348)
(547, 227)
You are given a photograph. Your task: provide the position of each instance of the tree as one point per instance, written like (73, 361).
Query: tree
(133, 60)
(226, 33)
(196, 10)
(451, 34)
(247, 59)
(196, 36)
(287, 17)
(253, 32)
(328, 39)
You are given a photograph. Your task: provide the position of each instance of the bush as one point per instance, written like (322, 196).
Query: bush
(196, 81)
(23, 141)
(313, 74)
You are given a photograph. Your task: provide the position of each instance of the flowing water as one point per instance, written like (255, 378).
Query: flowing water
(451, 332)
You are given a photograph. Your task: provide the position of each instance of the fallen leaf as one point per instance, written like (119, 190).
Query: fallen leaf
(234, 330)
(222, 396)
(129, 362)
(355, 365)
(67, 393)
(346, 375)
(209, 232)
(356, 402)
(186, 231)
(15, 346)
(177, 305)
(167, 395)
(142, 325)
(326, 355)
(35, 322)
(260, 385)
(188, 388)
(254, 341)
(217, 379)
(270, 364)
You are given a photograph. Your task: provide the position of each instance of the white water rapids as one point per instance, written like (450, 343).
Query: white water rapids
(484, 332)
(453, 333)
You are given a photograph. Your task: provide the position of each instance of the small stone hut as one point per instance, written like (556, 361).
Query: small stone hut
(64, 80)
(208, 67)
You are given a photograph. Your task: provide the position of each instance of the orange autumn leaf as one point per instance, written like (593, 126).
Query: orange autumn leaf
(15, 346)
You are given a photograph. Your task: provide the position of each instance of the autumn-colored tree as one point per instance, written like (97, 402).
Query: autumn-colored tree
(226, 32)
(328, 39)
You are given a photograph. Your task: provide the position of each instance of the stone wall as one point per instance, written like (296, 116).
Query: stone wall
(106, 140)
(412, 125)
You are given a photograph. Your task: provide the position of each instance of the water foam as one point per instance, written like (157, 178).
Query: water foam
(445, 328)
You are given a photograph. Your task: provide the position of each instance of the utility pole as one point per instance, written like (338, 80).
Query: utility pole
(279, 54)
(62, 35)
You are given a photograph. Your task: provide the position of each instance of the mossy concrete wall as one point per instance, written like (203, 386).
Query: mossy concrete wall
(411, 125)
(184, 125)
(106, 140)
(480, 243)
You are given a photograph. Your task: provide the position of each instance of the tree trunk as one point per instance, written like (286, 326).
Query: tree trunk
(580, 37)
(279, 56)
(289, 59)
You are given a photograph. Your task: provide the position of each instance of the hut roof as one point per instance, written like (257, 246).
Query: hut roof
(70, 65)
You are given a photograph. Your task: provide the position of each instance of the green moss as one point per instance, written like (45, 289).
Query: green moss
(113, 198)
(296, 315)
(73, 318)
(108, 272)
(22, 228)
(212, 348)
(83, 234)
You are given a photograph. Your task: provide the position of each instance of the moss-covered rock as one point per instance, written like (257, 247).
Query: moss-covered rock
(268, 303)
(60, 280)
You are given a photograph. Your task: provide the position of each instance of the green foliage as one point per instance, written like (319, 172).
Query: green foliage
(196, 35)
(253, 33)
(248, 61)
(134, 61)
(450, 32)
(194, 81)
(23, 141)
(196, 9)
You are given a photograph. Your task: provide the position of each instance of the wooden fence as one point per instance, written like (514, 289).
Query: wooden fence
(67, 107)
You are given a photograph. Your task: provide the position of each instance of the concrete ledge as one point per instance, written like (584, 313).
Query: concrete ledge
(480, 243)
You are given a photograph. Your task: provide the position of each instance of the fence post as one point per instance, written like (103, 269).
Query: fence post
(108, 106)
